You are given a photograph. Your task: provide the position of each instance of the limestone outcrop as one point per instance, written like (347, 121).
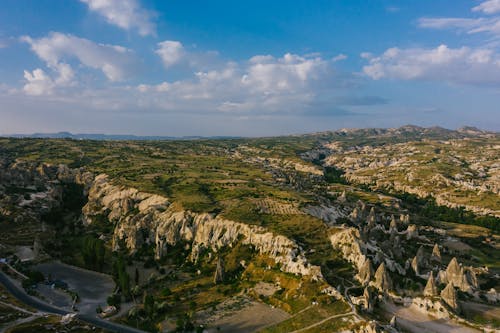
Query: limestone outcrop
(449, 296)
(349, 243)
(141, 217)
(219, 275)
(365, 272)
(393, 322)
(29, 190)
(436, 255)
(393, 226)
(457, 276)
(367, 300)
(415, 265)
(382, 281)
(432, 306)
(419, 261)
(371, 219)
(329, 214)
(411, 232)
(431, 289)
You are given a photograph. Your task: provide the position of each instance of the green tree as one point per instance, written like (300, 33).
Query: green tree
(149, 305)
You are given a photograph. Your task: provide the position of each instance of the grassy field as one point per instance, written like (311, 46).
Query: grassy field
(310, 316)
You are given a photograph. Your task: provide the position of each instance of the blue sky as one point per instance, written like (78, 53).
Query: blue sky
(247, 67)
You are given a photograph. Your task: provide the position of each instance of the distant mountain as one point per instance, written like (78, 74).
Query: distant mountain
(111, 137)
(403, 132)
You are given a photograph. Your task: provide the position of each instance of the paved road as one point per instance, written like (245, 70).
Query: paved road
(42, 306)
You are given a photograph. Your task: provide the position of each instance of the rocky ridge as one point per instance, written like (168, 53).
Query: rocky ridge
(142, 217)
(386, 167)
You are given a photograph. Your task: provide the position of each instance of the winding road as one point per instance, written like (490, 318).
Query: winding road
(21, 295)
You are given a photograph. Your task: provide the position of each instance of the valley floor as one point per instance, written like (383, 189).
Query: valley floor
(413, 320)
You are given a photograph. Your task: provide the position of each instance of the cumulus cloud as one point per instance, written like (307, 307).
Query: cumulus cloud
(38, 83)
(126, 14)
(263, 84)
(488, 7)
(290, 73)
(57, 48)
(171, 52)
(456, 65)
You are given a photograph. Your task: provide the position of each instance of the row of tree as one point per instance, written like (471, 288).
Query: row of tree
(93, 252)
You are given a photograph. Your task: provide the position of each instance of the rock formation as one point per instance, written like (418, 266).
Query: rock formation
(436, 255)
(367, 300)
(355, 214)
(383, 281)
(394, 225)
(342, 198)
(471, 277)
(349, 243)
(371, 219)
(419, 260)
(393, 322)
(433, 306)
(365, 272)
(219, 275)
(141, 217)
(329, 214)
(411, 232)
(415, 265)
(449, 296)
(431, 288)
(455, 275)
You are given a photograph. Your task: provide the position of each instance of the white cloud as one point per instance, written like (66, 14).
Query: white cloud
(289, 73)
(460, 65)
(262, 84)
(171, 52)
(126, 14)
(488, 7)
(471, 26)
(66, 74)
(339, 57)
(489, 25)
(38, 83)
(114, 61)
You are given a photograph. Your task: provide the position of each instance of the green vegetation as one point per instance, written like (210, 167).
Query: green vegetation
(121, 277)
(334, 175)
(428, 209)
(265, 182)
(312, 315)
(93, 252)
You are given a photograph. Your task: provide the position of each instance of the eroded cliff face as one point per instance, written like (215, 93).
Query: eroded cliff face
(29, 189)
(352, 247)
(358, 252)
(141, 217)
